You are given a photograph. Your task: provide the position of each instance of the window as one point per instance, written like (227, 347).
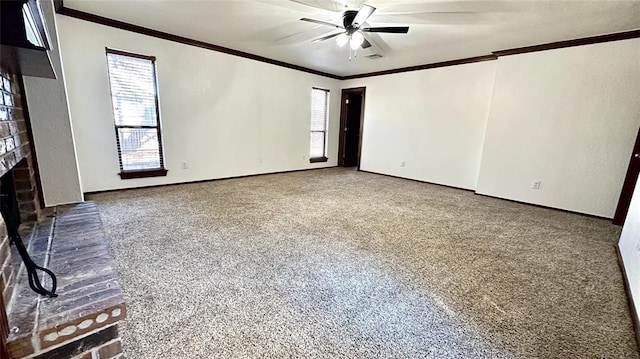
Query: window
(134, 96)
(29, 13)
(319, 117)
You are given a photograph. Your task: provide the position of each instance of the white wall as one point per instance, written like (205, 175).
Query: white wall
(224, 115)
(629, 248)
(566, 117)
(433, 120)
(51, 126)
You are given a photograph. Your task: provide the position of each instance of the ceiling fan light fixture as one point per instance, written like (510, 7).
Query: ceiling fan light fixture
(356, 40)
(342, 39)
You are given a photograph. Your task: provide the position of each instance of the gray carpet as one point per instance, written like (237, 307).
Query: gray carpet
(336, 263)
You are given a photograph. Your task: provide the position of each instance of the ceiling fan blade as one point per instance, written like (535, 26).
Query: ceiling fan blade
(390, 30)
(292, 38)
(362, 15)
(327, 37)
(379, 45)
(322, 23)
(366, 44)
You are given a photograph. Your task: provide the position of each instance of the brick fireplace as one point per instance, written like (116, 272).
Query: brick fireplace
(82, 322)
(74, 313)
(15, 160)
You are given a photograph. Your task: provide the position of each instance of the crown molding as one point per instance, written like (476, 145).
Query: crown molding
(468, 60)
(571, 43)
(57, 5)
(61, 9)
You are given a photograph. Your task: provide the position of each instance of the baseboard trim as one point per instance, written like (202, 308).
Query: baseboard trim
(360, 170)
(490, 196)
(205, 180)
(545, 207)
(627, 289)
(419, 181)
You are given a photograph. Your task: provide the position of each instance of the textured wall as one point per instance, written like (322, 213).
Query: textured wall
(568, 118)
(224, 115)
(432, 120)
(51, 127)
(565, 117)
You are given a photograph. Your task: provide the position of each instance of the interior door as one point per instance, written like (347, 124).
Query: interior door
(352, 136)
(629, 184)
(351, 118)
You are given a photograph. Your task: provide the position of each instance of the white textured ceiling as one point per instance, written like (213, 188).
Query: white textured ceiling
(439, 30)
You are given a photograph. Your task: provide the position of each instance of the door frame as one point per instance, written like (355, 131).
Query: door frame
(343, 123)
(629, 185)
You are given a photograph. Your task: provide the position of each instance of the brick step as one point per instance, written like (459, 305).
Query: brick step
(82, 322)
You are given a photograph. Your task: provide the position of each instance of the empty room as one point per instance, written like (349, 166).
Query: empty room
(319, 179)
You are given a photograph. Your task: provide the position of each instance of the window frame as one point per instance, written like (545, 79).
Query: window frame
(138, 173)
(324, 157)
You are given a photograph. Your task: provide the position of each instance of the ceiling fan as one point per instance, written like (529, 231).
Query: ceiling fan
(352, 22)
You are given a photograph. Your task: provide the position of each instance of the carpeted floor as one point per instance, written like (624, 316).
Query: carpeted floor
(336, 263)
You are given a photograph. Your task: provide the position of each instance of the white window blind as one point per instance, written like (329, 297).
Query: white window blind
(319, 116)
(134, 98)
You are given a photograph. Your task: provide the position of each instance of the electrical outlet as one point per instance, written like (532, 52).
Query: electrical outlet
(403, 163)
(259, 159)
(304, 157)
(536, 184)
(184, 165)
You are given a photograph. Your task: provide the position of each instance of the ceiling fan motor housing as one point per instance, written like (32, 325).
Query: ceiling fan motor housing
(347, 20)
(352, 22)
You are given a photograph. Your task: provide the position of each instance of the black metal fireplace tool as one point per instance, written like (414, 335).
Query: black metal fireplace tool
(11, 214)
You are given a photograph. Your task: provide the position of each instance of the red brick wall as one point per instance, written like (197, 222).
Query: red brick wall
(24, 175)
(15, 153)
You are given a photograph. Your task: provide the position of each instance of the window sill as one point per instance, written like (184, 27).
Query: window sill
(318, 159)
(158, 172)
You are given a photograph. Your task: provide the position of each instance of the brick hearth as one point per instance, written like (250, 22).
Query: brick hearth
(82, 322)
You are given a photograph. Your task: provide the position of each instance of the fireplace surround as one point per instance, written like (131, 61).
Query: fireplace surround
(82, 322)
(16, 161)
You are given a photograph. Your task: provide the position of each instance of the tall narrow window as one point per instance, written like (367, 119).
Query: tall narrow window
(134, 96)
(319, 117)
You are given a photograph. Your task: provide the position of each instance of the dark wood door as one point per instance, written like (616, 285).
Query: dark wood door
(351, 118)
(629, 184)
(352, 136)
